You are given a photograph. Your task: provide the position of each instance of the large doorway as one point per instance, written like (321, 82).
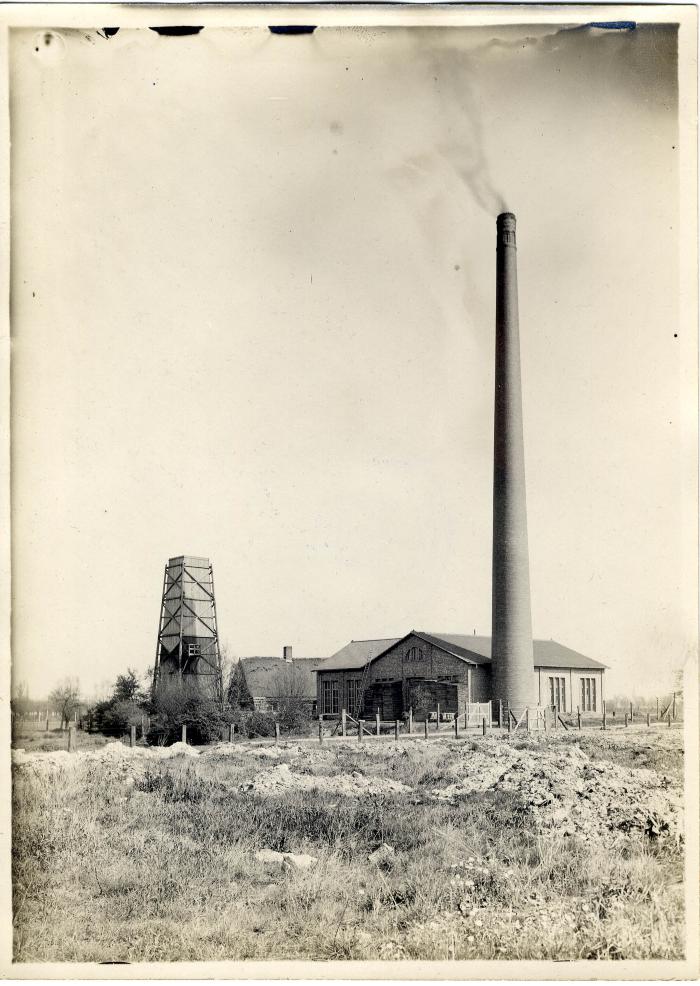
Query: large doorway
(424, 695)
(384, 697)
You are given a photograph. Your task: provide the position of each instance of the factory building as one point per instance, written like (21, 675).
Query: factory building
(421, 670)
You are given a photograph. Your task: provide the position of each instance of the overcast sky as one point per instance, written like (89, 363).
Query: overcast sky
(253, 319)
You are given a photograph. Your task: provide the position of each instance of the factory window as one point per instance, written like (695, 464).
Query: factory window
(557, 693)
(414, 654)
(194, 650)
(588, 695)
(353, 695)
(331, 698)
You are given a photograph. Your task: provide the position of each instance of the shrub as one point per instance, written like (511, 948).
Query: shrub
(254, 724)
(293, 716)
(186, 704)
(114, 718)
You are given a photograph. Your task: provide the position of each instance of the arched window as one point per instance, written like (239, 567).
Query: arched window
(414, 654)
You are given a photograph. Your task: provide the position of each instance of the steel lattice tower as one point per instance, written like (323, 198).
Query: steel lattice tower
(188, 639)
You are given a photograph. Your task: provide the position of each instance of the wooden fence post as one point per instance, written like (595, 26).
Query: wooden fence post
(71, 738)
(360, 730)
(183, 738)
(396, 730)
(508, 720)
(343, 723)
(631, 713)
(410, 720)
(625, 718)
(379, 724)
(483, 726)
(648, 719)
(657, 709)
(604, 723)
(437, 720)
(456, 727)
(500, 713)
(425, 723)
(231, 732)
(578, 717)
(674, 705)
(320, 731)
(669, 719)
(277, 734)
(47, 721)
(132, 736)
(527, 719)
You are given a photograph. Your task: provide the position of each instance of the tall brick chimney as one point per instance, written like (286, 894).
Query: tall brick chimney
(511, 631)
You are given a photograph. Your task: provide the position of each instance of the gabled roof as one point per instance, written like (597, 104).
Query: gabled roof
(263, 675)
(357, 653)
(476, 650)
(547, 653)
(467, 647)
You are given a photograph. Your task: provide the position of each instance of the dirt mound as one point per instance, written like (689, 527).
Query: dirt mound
(41, 763)
(355, 785)
(568, 791)
(219, 751)
(111, 755)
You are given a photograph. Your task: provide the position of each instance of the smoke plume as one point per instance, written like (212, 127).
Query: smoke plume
(463, 150)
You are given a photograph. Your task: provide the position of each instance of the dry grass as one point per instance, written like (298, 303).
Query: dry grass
(157, 866)
(32, 737)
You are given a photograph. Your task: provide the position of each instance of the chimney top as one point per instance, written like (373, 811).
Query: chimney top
(287, 653)
(505, 227)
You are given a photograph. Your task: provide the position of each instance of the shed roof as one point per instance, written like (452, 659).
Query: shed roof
(262, 674)
(468, 647)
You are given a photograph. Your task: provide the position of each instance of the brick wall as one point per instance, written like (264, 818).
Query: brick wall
(341, 680)
(399, 664)
(413, 659)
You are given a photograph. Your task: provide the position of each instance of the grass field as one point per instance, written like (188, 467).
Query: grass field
(566, 846)
(33, 737)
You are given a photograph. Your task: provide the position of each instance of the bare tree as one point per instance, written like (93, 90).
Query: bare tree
(289, 696)
(65, 699)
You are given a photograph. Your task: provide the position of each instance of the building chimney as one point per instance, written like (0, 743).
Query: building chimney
(511, 630)
(287, 654)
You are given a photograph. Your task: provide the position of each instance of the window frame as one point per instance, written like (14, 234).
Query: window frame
(589, 694)
(557, 691)
(330, 696)
(352, 694)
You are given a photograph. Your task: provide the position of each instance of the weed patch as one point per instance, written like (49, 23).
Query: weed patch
(151, 856)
